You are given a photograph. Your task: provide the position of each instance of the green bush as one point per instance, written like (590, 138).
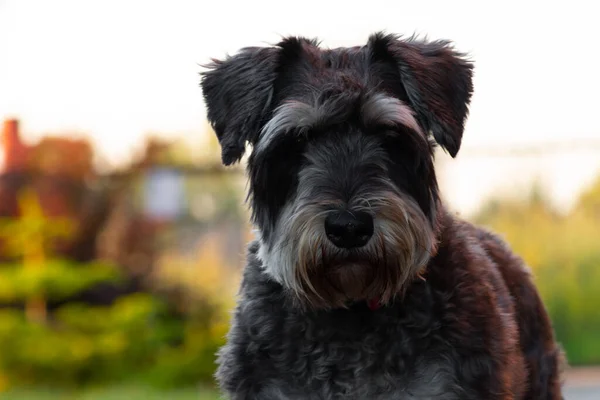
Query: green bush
(570, 291)
(137, 338)
(134, 339)
(56, 279)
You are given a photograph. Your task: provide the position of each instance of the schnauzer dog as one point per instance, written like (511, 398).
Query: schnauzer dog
(360, 284)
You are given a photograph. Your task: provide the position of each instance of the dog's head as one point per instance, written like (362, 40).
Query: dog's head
(342, 183)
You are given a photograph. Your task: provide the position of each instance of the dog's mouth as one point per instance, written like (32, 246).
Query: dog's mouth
(351, 278)
(338, 282)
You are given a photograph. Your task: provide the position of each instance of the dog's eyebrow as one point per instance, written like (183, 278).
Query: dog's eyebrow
(380, 109)
(377, 110)
(300, 117)
(288, 116)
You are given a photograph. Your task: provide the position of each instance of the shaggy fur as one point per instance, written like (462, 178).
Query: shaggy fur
(420, 305)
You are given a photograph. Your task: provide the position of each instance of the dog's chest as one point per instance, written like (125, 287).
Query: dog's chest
(362, 355)
(370, 374)
(428, 381)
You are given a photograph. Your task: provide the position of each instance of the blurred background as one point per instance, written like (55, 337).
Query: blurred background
(122, 237)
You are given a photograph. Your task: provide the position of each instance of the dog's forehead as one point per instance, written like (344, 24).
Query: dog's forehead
(322, 88)
(326, 58)
(333, 71)
(342, 57)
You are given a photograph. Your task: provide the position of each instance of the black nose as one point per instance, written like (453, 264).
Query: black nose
(349, 229)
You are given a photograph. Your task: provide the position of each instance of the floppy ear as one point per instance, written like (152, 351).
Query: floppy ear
(437, 81)
(237, 92)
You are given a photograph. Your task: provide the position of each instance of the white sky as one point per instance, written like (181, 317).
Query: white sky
(116, 70)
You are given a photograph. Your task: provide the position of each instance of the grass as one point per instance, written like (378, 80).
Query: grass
(111, 393)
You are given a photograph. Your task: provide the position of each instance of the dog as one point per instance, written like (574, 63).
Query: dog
(360, 284)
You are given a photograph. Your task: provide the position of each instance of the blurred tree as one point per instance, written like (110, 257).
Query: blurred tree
(522, 220)
(589, 202)
(28, 238)
(155, 153)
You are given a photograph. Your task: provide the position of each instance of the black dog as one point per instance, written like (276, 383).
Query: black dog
(361, 285)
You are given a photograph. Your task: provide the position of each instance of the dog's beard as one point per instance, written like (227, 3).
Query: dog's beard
(320, 275)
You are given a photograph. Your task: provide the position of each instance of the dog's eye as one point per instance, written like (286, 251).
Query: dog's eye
(293, 142)
(304, 136)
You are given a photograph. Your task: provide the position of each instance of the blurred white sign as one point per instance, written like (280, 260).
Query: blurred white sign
(164, 193)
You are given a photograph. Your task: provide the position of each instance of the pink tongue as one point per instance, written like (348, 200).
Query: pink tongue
(373, 304)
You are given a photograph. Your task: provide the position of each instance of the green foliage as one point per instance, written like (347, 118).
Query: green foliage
(138, 337)
(564, 254)
(128, 392)
(31, 235)
(135, 338)
(56, 278)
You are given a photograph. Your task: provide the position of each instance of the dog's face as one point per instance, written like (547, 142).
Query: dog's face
(342, 184)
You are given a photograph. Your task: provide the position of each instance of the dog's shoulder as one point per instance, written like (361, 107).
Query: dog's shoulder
(503, 261)
(480, 271)
(482, 262)
(544, 358)
(473, 246)
(510, 263)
